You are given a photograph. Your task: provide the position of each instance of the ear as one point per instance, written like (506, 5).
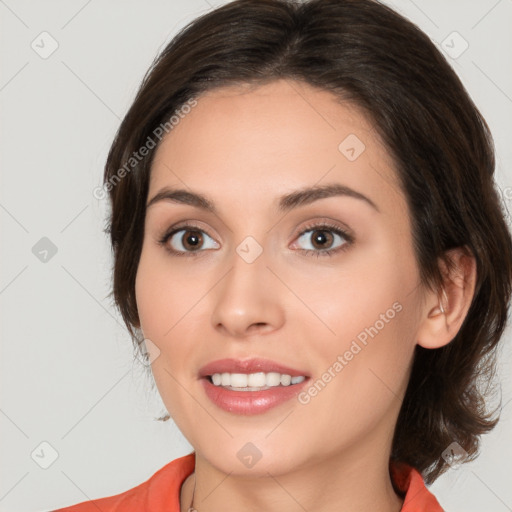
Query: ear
(444, 312)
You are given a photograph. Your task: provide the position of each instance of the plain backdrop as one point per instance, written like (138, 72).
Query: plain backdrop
(72, 397)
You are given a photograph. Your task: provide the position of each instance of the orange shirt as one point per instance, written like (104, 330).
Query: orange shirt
(161, 492)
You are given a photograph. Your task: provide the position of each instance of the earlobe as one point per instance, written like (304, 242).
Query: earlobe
(444, 312)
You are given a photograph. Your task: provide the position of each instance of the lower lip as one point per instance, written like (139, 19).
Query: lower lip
(250, 402)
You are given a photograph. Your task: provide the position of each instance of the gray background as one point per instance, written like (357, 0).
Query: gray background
(68, 376)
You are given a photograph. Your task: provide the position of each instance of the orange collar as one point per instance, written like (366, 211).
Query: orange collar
(161, 492)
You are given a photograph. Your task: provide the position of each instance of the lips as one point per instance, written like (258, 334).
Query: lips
(250, 402)
(253, 365)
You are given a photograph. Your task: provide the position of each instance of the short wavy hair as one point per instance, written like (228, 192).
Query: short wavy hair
(368, 54)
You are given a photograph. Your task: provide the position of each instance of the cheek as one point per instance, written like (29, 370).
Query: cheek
(158, 309)
(161, 293)
(368, 297)
(362, 372)
(370, 316)
(167, 299)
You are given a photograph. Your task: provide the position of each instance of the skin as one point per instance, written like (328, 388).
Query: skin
(244, 147)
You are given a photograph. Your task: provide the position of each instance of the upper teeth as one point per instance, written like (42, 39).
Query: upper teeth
(254, 380)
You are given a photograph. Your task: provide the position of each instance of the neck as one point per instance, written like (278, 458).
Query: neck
(342, 482)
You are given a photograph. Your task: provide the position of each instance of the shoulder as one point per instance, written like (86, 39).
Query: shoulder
(157, 493)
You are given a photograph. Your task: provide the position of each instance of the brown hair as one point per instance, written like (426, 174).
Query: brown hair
(366, 53)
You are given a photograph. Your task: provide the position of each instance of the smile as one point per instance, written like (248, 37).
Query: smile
(254, 381)
(249, 387)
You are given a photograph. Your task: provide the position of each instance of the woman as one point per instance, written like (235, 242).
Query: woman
(310, 251)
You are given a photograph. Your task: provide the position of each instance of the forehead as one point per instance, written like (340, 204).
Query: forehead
(274, 137)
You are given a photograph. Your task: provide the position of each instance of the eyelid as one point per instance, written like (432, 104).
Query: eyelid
(326, 222)
(190, 225)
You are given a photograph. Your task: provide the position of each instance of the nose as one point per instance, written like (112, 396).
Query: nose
(247, 301)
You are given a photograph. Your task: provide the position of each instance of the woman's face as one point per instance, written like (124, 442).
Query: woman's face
(252, 278)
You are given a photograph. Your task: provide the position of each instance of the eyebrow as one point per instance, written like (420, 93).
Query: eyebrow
(286, 202)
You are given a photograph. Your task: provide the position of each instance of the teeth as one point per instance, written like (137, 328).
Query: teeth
(238, 380)
(273, 379)
(254, 380)
(285, 380)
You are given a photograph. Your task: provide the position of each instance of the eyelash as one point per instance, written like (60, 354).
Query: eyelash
(349, 239)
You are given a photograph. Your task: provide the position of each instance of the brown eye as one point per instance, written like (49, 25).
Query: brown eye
(191, 240)
(188, 239)
(323, 239)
